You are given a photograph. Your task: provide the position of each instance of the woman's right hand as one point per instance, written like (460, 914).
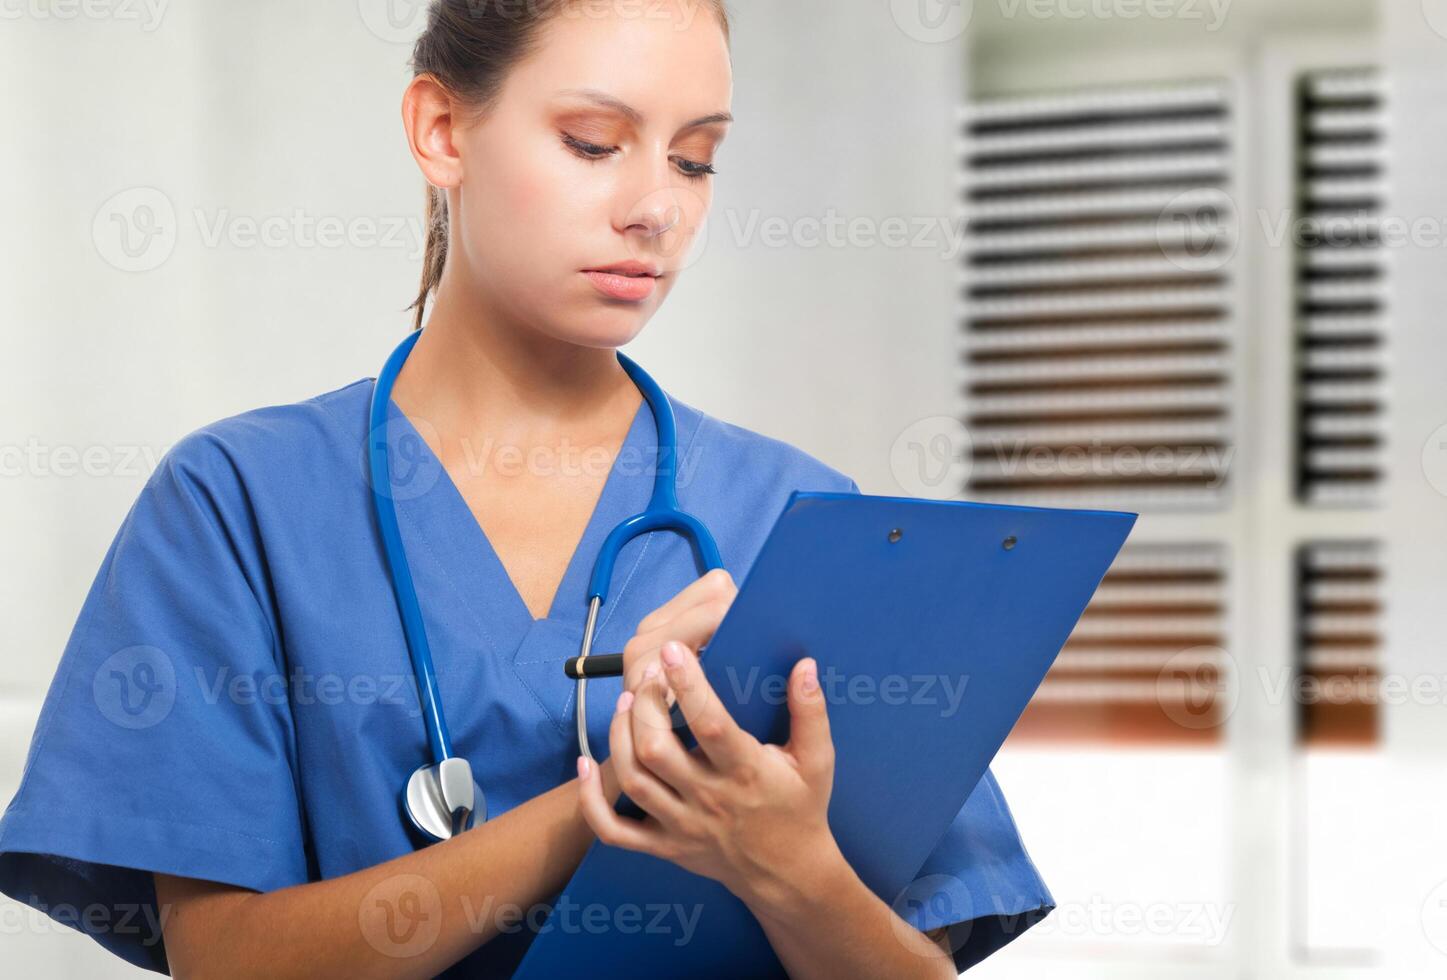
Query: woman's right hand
(690, 617)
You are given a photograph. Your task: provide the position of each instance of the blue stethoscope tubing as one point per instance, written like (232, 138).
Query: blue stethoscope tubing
(441, 799)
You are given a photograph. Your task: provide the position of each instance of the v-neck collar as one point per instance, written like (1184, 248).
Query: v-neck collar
(446, 521)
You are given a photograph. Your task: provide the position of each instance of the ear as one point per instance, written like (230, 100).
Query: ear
(429, 121)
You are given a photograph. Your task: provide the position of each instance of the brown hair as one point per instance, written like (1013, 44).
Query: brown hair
(469, 46)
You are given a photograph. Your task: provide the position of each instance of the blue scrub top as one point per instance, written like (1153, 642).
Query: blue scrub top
(236, 702)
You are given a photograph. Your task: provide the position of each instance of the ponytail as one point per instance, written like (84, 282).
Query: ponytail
(435, 255)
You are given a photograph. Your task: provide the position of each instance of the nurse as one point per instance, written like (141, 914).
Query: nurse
(213, 784)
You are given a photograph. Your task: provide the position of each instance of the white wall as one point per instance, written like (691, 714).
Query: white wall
(1415, 848)
(239, 113)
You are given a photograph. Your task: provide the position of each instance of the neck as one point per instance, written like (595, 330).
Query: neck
(472, 376)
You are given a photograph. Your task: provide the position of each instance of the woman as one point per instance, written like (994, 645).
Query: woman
(213, 782)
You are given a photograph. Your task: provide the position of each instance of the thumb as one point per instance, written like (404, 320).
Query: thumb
(810, 741)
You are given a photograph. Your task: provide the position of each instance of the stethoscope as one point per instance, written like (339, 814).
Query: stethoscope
(441, 798)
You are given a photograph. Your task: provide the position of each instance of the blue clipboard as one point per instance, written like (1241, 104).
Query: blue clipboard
(979, 597)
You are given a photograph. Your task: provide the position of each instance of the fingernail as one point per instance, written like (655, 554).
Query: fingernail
(624, 700)
(810, 681)
(582, 767)
(650, 672)
(672, 653)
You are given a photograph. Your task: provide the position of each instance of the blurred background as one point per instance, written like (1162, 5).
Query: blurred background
(1181, 257)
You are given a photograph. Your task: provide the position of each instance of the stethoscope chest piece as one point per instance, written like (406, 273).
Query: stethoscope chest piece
(443, 801)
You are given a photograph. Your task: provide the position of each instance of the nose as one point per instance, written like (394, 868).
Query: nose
(652, 202)
(656, 212)
(662, 219)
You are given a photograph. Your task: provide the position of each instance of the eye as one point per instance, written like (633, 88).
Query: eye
(588, 151)
(695, 171)
(595, 152)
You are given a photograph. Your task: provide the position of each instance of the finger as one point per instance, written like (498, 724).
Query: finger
(656, 746)
(719, 737)
(810, 740)
(635, 668)
(642, 786)
(610, 827)
(633, 677)
(691, 617)
(693, 627)
(717, 583)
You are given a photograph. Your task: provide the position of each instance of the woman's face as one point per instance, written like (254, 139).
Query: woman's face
(596, 153)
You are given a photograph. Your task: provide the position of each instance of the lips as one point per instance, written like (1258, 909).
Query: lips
(624, 286)
(633, 270)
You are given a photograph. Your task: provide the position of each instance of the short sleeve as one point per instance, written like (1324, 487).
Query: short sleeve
(165, 742)
(979, 881)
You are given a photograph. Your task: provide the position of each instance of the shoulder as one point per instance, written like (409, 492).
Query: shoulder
(715, 445)
(285, 443)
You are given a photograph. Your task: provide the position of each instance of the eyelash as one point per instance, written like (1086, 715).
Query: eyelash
(594, 153)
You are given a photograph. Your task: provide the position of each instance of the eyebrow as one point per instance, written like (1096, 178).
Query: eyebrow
(633, 115)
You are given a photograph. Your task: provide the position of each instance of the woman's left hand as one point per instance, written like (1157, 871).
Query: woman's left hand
(749, 815)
